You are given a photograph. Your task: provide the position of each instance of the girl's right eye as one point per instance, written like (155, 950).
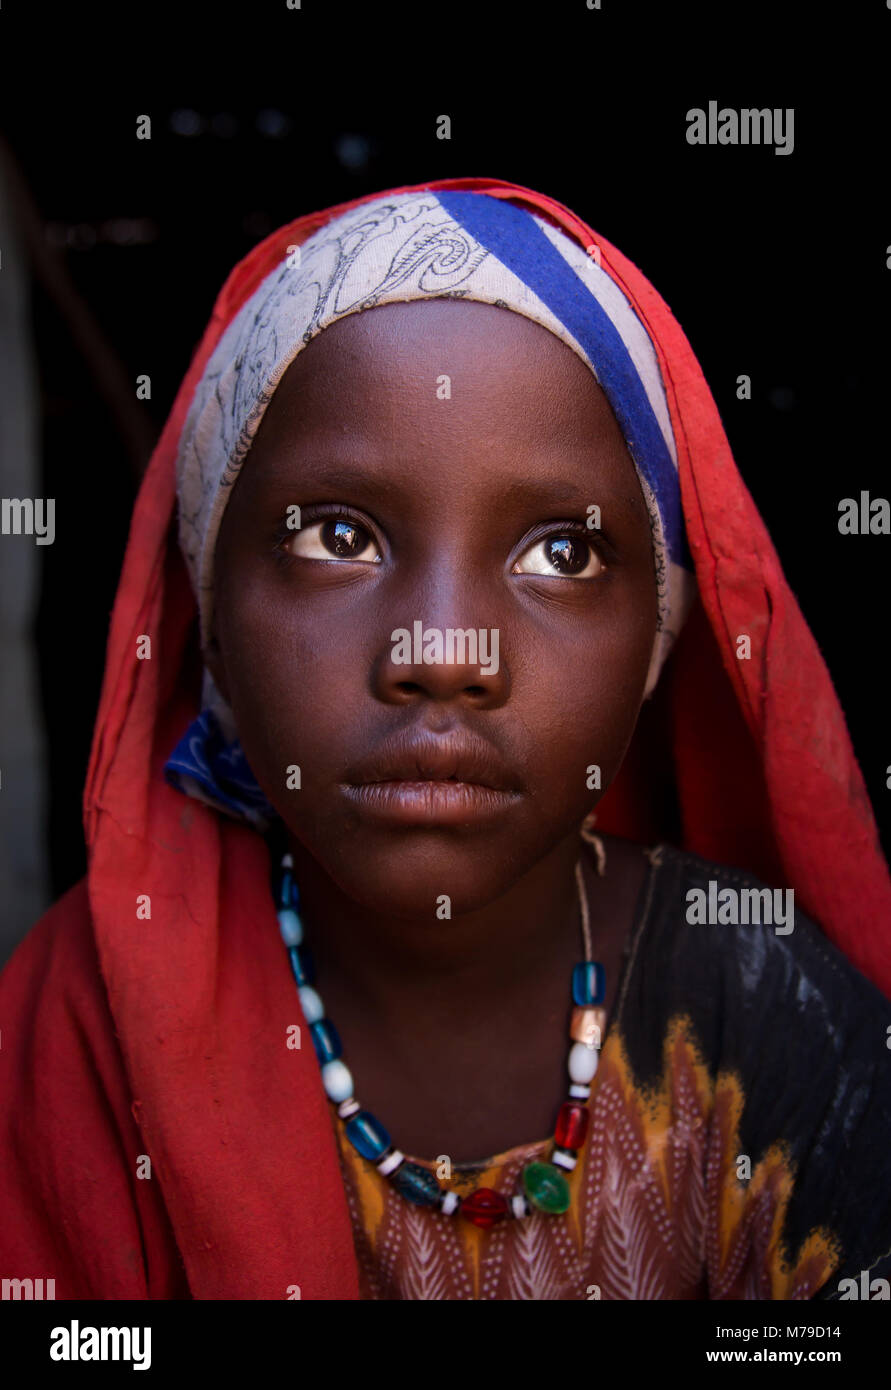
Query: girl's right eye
(334, 539)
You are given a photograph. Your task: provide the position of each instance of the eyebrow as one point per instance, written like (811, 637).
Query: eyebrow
(545, 494)
(327, 473)
(533, 493)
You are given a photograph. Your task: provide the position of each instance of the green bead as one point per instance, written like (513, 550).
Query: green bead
(546, 1187)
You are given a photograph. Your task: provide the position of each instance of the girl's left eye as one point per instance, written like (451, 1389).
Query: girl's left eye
(563, 556)
(336, 538)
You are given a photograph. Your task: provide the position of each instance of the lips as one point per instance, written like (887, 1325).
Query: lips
(453, 757)
(420, 779)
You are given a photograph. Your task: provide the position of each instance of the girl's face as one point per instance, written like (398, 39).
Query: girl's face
(445, 458)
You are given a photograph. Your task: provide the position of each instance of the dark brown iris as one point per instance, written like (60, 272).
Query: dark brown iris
(567, 554)
(344, 538)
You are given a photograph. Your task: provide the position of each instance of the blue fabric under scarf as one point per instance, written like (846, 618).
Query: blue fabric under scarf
(204, 765)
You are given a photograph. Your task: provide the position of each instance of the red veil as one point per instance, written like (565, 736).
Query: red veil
(125, 1037)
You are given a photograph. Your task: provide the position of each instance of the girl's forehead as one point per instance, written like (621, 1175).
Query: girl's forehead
(437, 388)
(382, 404)
(456, 351)
(450, 325)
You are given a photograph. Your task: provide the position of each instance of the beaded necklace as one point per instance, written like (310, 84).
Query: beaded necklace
(544, 1186)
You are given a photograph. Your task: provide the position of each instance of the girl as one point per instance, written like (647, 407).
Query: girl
(407, 965)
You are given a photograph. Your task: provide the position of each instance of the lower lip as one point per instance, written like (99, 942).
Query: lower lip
(431, 803)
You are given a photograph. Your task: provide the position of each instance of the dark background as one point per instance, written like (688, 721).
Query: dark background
(774, 265)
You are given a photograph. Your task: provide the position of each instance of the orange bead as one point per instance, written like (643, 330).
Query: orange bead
(588, 1026)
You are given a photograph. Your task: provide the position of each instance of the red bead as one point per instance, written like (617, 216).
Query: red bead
(484, 1208)
(572, 1125)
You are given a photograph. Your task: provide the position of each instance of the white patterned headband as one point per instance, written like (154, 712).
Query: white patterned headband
(415, 246)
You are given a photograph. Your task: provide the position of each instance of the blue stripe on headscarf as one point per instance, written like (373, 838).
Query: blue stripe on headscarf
(518, 242)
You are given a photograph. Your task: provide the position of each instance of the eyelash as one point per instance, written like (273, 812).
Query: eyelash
(321, 510)
(595, 539)
(309, 517)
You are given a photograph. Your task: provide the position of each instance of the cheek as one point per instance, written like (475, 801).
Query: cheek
(580, 701)
(295, 684)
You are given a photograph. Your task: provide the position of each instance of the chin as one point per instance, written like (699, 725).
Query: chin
(405, 875)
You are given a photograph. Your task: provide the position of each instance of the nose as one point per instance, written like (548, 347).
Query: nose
(448, 664)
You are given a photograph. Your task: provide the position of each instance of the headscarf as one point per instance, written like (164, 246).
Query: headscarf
(396, 249)
(745, 762)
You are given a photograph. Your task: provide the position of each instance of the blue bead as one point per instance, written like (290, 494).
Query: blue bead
(325, 1040)
(367, 1135)
(288, 893)
(417, 1185)
(588, 983)
(301, 965)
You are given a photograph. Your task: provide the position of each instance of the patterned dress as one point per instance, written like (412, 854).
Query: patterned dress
(739, 1127)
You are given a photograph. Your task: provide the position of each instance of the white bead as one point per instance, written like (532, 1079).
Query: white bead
(448, 1203)
(579, 1092)
(561, 1159)
(519, 1206)
(348, 1108)
(390, 1162)
(337, 1080)
(310, 1003)
(288, 862)
(582, 1062)
(290, 926)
